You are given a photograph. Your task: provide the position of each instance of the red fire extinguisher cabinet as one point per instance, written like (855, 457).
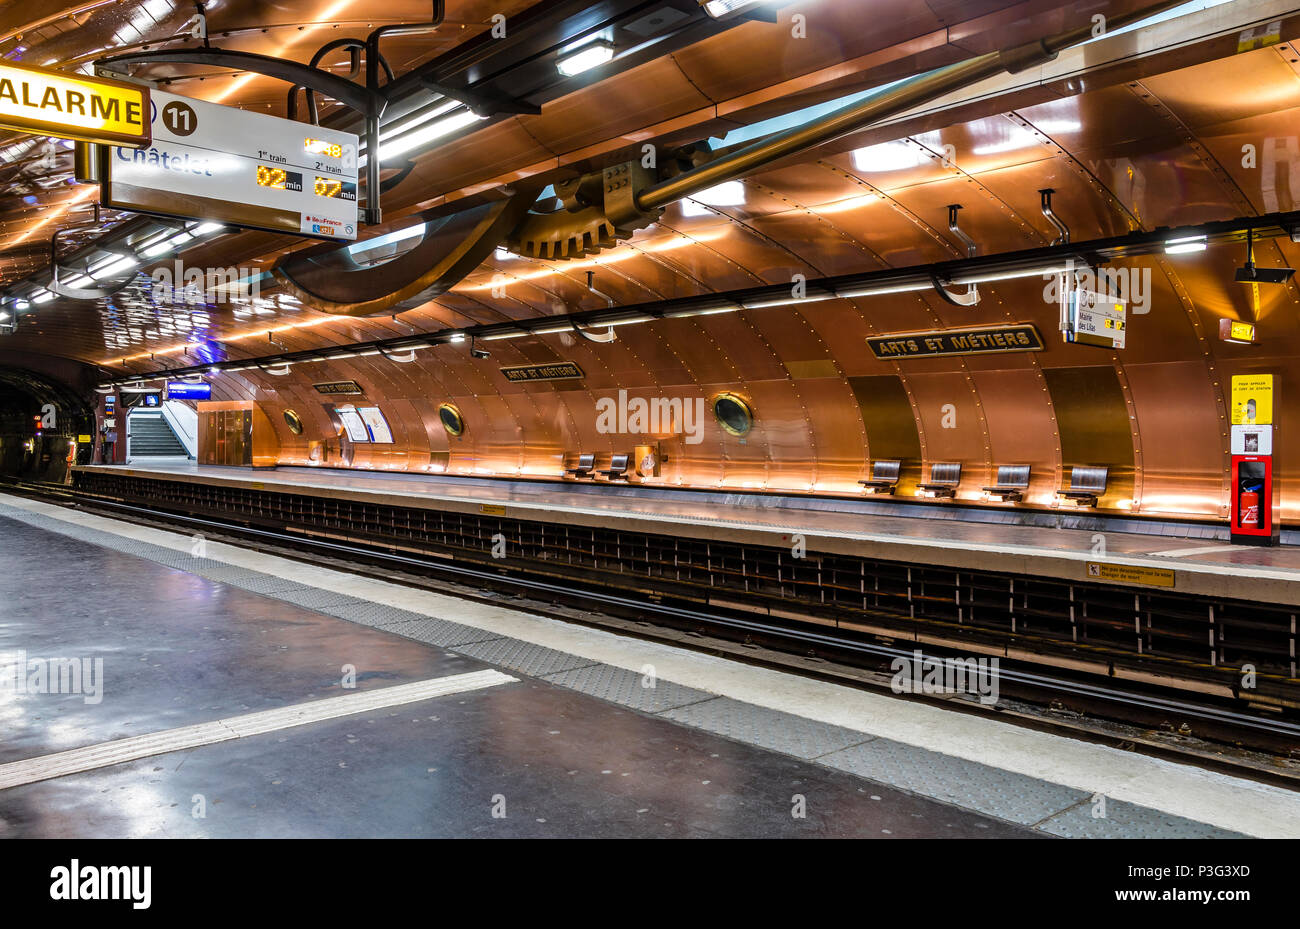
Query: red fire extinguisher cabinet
(1252, 500)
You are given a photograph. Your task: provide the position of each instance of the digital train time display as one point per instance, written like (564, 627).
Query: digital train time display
(278, 178)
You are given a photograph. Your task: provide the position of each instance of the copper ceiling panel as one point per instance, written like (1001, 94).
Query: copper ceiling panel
(1254, 83)
(1270, 180)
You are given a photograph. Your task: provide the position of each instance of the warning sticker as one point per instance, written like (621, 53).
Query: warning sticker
(1130, 574)
(491, 509)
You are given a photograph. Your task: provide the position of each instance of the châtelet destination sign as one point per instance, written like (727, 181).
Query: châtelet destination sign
(981, 341)
(74, 106)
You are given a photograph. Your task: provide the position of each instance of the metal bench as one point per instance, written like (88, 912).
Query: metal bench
(884, 477)
(1011, 483)
(1087, 484)
(584, 466)
(617, 470)
(944, 478)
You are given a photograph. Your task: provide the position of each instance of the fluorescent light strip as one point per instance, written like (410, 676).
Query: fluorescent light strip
(1185, 244)
(714, 312)
(990, 276)
(592, 55)
(719, 8)
(870, 290)
(420, 137)
(788, 301)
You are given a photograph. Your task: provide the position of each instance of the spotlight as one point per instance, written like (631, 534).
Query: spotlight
(478, 352)
(1249, 274)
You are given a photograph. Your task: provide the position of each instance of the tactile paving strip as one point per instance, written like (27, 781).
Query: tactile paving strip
(757, 725)
(523, 656)
(440, 632)
(628, 688)
(1122, 820)
(375, 615)
(968, 784)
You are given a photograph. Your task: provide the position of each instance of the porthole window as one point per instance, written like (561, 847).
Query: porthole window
(733, 413)
(294, 422)
(452, 421)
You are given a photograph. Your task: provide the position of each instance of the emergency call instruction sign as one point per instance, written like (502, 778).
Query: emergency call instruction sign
(218, 164)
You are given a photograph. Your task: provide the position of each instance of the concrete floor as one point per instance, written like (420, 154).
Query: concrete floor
(181, 650)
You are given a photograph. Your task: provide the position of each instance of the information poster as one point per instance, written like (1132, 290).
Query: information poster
(378, 426)
(353, 423)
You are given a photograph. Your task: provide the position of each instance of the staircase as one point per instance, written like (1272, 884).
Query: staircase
(152, 437)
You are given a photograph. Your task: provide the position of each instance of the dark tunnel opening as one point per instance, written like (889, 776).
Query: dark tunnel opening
(46, 427)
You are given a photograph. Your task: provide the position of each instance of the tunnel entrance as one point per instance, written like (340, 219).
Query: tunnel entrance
(45, 427)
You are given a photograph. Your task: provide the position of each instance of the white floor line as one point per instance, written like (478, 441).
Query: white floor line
(1184, 552)
(119, 751)
(1182, 790)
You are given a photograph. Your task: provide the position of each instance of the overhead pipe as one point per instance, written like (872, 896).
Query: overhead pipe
(914, 92)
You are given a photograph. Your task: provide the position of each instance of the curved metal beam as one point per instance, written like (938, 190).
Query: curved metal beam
(331, 85)
(330, 280)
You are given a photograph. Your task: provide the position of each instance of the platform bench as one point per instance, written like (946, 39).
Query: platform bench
(1011, 483)
(584, 466)
(1087, 484)
(884, 477)
(944, 478)
(617, 470)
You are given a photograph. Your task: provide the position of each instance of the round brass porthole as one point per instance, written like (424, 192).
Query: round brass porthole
(733, 413)
(452, 421)
(293, 421)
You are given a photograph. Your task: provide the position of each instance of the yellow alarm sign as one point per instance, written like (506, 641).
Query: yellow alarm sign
(1252, 399)
(74, 106)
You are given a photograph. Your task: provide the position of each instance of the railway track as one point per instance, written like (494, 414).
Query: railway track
(1211, 732)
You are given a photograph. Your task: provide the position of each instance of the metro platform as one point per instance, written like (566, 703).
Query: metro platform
(1051, 545)
(214, 719)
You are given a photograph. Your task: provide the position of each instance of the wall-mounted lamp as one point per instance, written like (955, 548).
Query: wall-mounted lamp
(1231, 330)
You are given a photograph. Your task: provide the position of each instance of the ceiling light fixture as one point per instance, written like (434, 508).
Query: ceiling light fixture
(720, 9)
(420, 137)
(1185, 245)
(592, 55)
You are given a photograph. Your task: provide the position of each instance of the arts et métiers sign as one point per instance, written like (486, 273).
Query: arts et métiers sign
(73, 106)
(984, 340)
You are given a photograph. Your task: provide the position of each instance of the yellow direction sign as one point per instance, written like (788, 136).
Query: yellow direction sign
(1252, 399)
(73, 106)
